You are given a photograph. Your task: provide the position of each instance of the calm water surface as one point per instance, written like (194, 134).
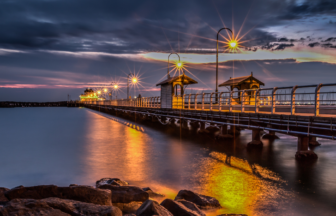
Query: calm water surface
(76, 145)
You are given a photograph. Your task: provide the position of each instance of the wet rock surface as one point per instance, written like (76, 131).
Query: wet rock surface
(80, 193)
(151, 207)
(177, 208)
(127, 198)
(57, 206)
(202, 201)
(191, 206)
(152, 194)
(111, 181)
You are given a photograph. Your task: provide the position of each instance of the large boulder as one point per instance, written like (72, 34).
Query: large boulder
(56, 206)
(111, 181)
(192, 206)
(30, 207)
(3, 198)
(202, 201)
(153, 194)
(79, 193)
(177, 208)
(127, 198)
(151, 207)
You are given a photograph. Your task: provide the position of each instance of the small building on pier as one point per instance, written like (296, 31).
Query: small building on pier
(172, 91)
(247, 83)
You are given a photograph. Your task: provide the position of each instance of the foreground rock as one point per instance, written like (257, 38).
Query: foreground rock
(3, 198)
(111, 181)
(178, 209)
(80, 193)
(192, 206)
(56, 207)
(127, 198)
(152, 194)
(202, 201)
(151, 207)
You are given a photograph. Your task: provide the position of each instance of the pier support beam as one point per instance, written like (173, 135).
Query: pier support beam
(224, 133)
(313, 141)
(194, 125)
(302, 149)
(256, 142)
(271, 136)
(202, 125)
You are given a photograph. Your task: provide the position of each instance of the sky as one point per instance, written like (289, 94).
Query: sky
(50, 49)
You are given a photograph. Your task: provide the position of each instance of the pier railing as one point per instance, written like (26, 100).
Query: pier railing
(307, 100)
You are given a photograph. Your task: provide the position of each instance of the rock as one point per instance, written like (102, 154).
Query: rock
(3, 198)
(177, 209)
(127, 198)
(191, 206)
(30, 207)
(71, 185)
(79, 193)
(152, 194)
(204, 132)
(57, 206)
(202, 201)
(128, 208)
(110, 181)
(151, 207)
(306, 155)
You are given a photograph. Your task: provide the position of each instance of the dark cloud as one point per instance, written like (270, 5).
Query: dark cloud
(308, 8)
(331, 39)
(276, 46)
(314, 44)
(328, 45)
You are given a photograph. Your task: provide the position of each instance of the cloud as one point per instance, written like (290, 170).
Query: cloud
(314, 44)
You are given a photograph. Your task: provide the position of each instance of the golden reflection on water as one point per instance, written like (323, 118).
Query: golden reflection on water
(238, 189)
(239, 186)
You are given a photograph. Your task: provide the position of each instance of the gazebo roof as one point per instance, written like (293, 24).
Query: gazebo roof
(184, 78)
(240, 80)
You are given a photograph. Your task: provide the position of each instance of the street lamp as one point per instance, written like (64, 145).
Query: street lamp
(232, 44)
(179, 64)
(134, 80)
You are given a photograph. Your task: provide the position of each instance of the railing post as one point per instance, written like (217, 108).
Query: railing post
(256, 95)
(189, 99)
(220, 102)
(243, 101)
(273, 99)
(195, 102)
(230, 100)
(317, 99)
(293, 100)
(203, 101)
(211, 101)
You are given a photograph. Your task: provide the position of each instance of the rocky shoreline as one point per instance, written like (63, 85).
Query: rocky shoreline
(110, 197)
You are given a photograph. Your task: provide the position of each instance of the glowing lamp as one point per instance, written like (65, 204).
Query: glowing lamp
(134, 80)
(105, 90)
(233, 44)
(115, 86)
(179, 64)
(99, 92)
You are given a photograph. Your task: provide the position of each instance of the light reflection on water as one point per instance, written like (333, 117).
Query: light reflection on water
(69, 145)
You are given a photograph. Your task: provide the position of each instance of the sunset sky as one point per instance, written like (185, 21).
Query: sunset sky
(52, 48)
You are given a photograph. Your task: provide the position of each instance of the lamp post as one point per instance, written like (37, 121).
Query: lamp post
(134, 80)
(168, 63)
(217, 62)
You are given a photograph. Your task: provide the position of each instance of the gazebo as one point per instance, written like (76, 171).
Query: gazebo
(172, 90)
